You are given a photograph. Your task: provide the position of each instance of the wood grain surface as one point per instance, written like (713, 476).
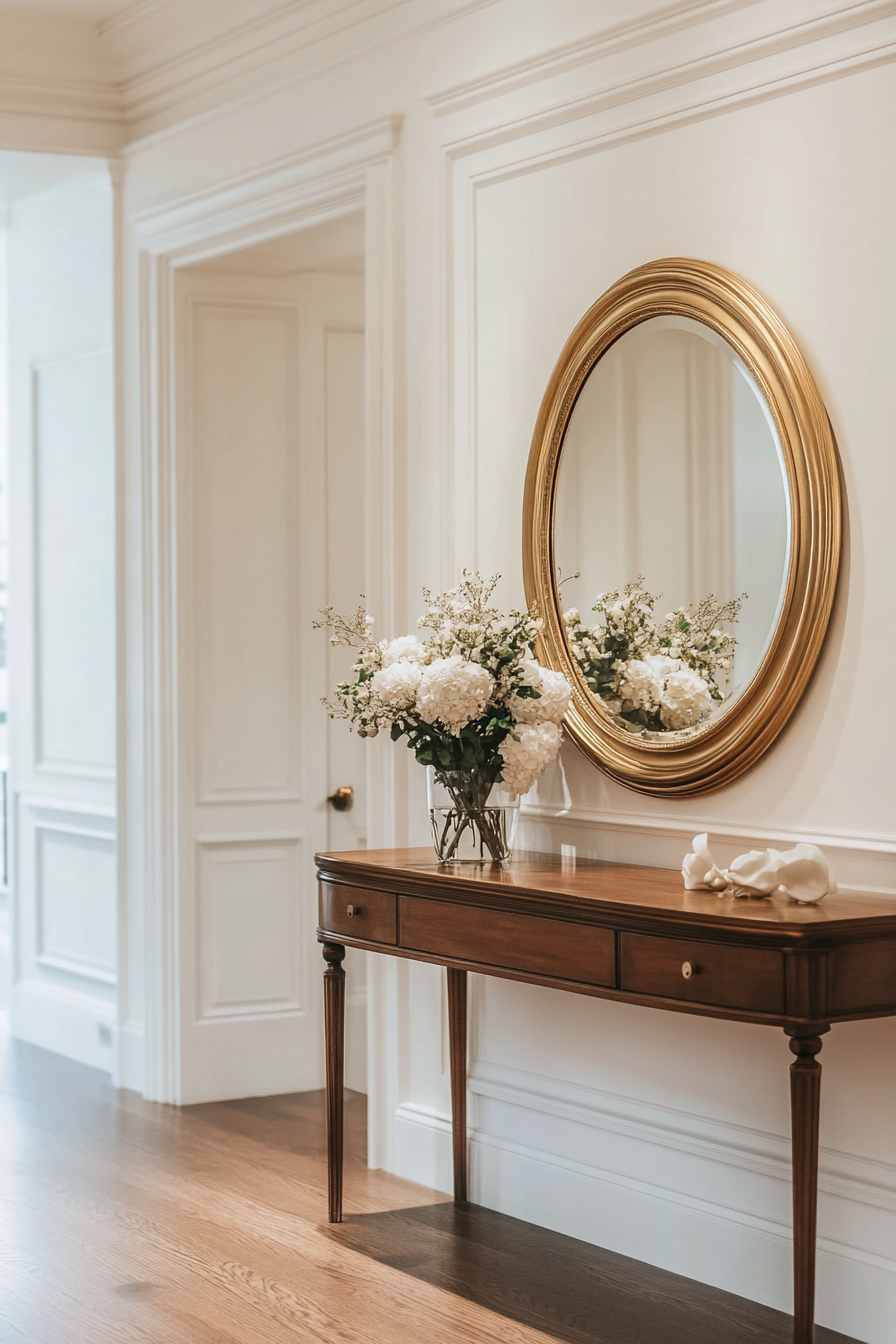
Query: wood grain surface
(607, 888)
(124, 1222)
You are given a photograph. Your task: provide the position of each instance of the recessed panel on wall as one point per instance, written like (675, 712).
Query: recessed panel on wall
(74, 550)
(75, 903)
(242, 432)
(249, 896)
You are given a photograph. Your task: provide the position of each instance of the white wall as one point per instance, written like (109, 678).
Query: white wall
(62, 619)
(545, 151)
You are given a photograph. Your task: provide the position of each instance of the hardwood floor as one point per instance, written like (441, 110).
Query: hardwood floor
(122, 1221)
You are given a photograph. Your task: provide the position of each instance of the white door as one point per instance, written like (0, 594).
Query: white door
(254, 418)
(62, 619)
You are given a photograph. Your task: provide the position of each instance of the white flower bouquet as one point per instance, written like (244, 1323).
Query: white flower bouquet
(655, 677)
(472, 701)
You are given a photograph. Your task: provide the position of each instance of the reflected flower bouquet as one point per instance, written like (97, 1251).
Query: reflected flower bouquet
(654, 677)
(470, 697)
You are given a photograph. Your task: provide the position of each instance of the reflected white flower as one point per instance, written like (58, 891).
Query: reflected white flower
(685, 699)
(645, 679)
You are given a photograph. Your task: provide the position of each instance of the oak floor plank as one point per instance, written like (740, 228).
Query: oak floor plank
(125, 1222)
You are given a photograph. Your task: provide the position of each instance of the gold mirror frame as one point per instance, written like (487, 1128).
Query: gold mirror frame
(711, 757)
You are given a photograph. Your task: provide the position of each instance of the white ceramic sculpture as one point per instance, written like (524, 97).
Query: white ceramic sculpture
(802, 873)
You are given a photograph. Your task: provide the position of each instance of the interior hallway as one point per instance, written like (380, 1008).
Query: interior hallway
(125, 1221)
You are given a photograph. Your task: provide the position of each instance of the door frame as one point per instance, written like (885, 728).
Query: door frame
(359, 171)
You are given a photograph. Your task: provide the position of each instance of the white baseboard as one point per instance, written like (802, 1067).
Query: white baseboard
(64, 1021)
(130, 1071)
(703, 1198)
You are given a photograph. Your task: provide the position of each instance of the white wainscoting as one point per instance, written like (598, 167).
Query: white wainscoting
(248, 938)
(65, 980)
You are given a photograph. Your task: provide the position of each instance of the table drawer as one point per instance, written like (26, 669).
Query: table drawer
(356, 912)
(695, 972)
(517, 942)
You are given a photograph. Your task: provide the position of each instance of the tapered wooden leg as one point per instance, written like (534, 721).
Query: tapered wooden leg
(334, 1019)
(457, 1035)
(805, 1098)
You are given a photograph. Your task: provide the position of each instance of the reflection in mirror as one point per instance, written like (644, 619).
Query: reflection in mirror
(671, 469)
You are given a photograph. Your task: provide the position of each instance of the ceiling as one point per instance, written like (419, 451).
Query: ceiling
(335, 246)
(25, 174)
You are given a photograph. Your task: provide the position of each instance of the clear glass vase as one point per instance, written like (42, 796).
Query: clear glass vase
(473, 818)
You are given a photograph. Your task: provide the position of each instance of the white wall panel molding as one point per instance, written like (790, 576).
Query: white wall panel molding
(321, 182)
(661, 23)
(681, 90)
(248, 967)
(708, 1193)
(177, 66)
(860, 862)
(253, 754)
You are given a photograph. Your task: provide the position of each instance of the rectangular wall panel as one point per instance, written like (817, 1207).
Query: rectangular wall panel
(249, 928)
(243, 431)
(74, 550)
(75, 894)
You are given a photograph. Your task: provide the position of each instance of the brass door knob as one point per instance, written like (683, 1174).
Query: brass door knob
(343, 799)
(687, 970)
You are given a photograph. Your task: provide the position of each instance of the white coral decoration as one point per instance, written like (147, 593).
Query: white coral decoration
(406, 647)
(802, 873)
(395, 685)
(454, 691)
(553, 701)
(527, 753)
(685, 699)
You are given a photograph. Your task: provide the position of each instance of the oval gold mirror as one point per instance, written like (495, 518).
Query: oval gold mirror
(682, 526)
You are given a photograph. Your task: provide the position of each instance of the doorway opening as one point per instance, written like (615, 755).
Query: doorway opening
(270, 427)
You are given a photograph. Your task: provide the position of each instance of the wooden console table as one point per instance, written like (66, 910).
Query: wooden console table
(617, 932)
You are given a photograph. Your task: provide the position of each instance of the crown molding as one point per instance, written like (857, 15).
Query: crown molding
(282, 46)
(608, 42)
(806, 36)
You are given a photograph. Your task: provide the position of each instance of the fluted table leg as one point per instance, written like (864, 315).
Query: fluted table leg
(334, 1019)
(457, 1033)
(805, 1100)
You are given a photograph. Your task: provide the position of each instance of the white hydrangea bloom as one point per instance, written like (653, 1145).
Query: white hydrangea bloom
(395, 686)
(527, 753)
(554, 690)
(454, 691)
(645, 679)
(685, 699)
(407, 647)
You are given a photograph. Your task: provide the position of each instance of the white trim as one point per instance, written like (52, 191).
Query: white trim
(337, 176)
(279, 47)
(571, 56)
(731, 1206)
(843, 1175)
(648, 823)
(319, 183)
(63, 1020)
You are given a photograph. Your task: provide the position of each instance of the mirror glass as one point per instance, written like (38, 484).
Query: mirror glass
(671, 474)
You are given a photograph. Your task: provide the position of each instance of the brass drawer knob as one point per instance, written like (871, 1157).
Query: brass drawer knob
(687, 970)
(353, 910)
